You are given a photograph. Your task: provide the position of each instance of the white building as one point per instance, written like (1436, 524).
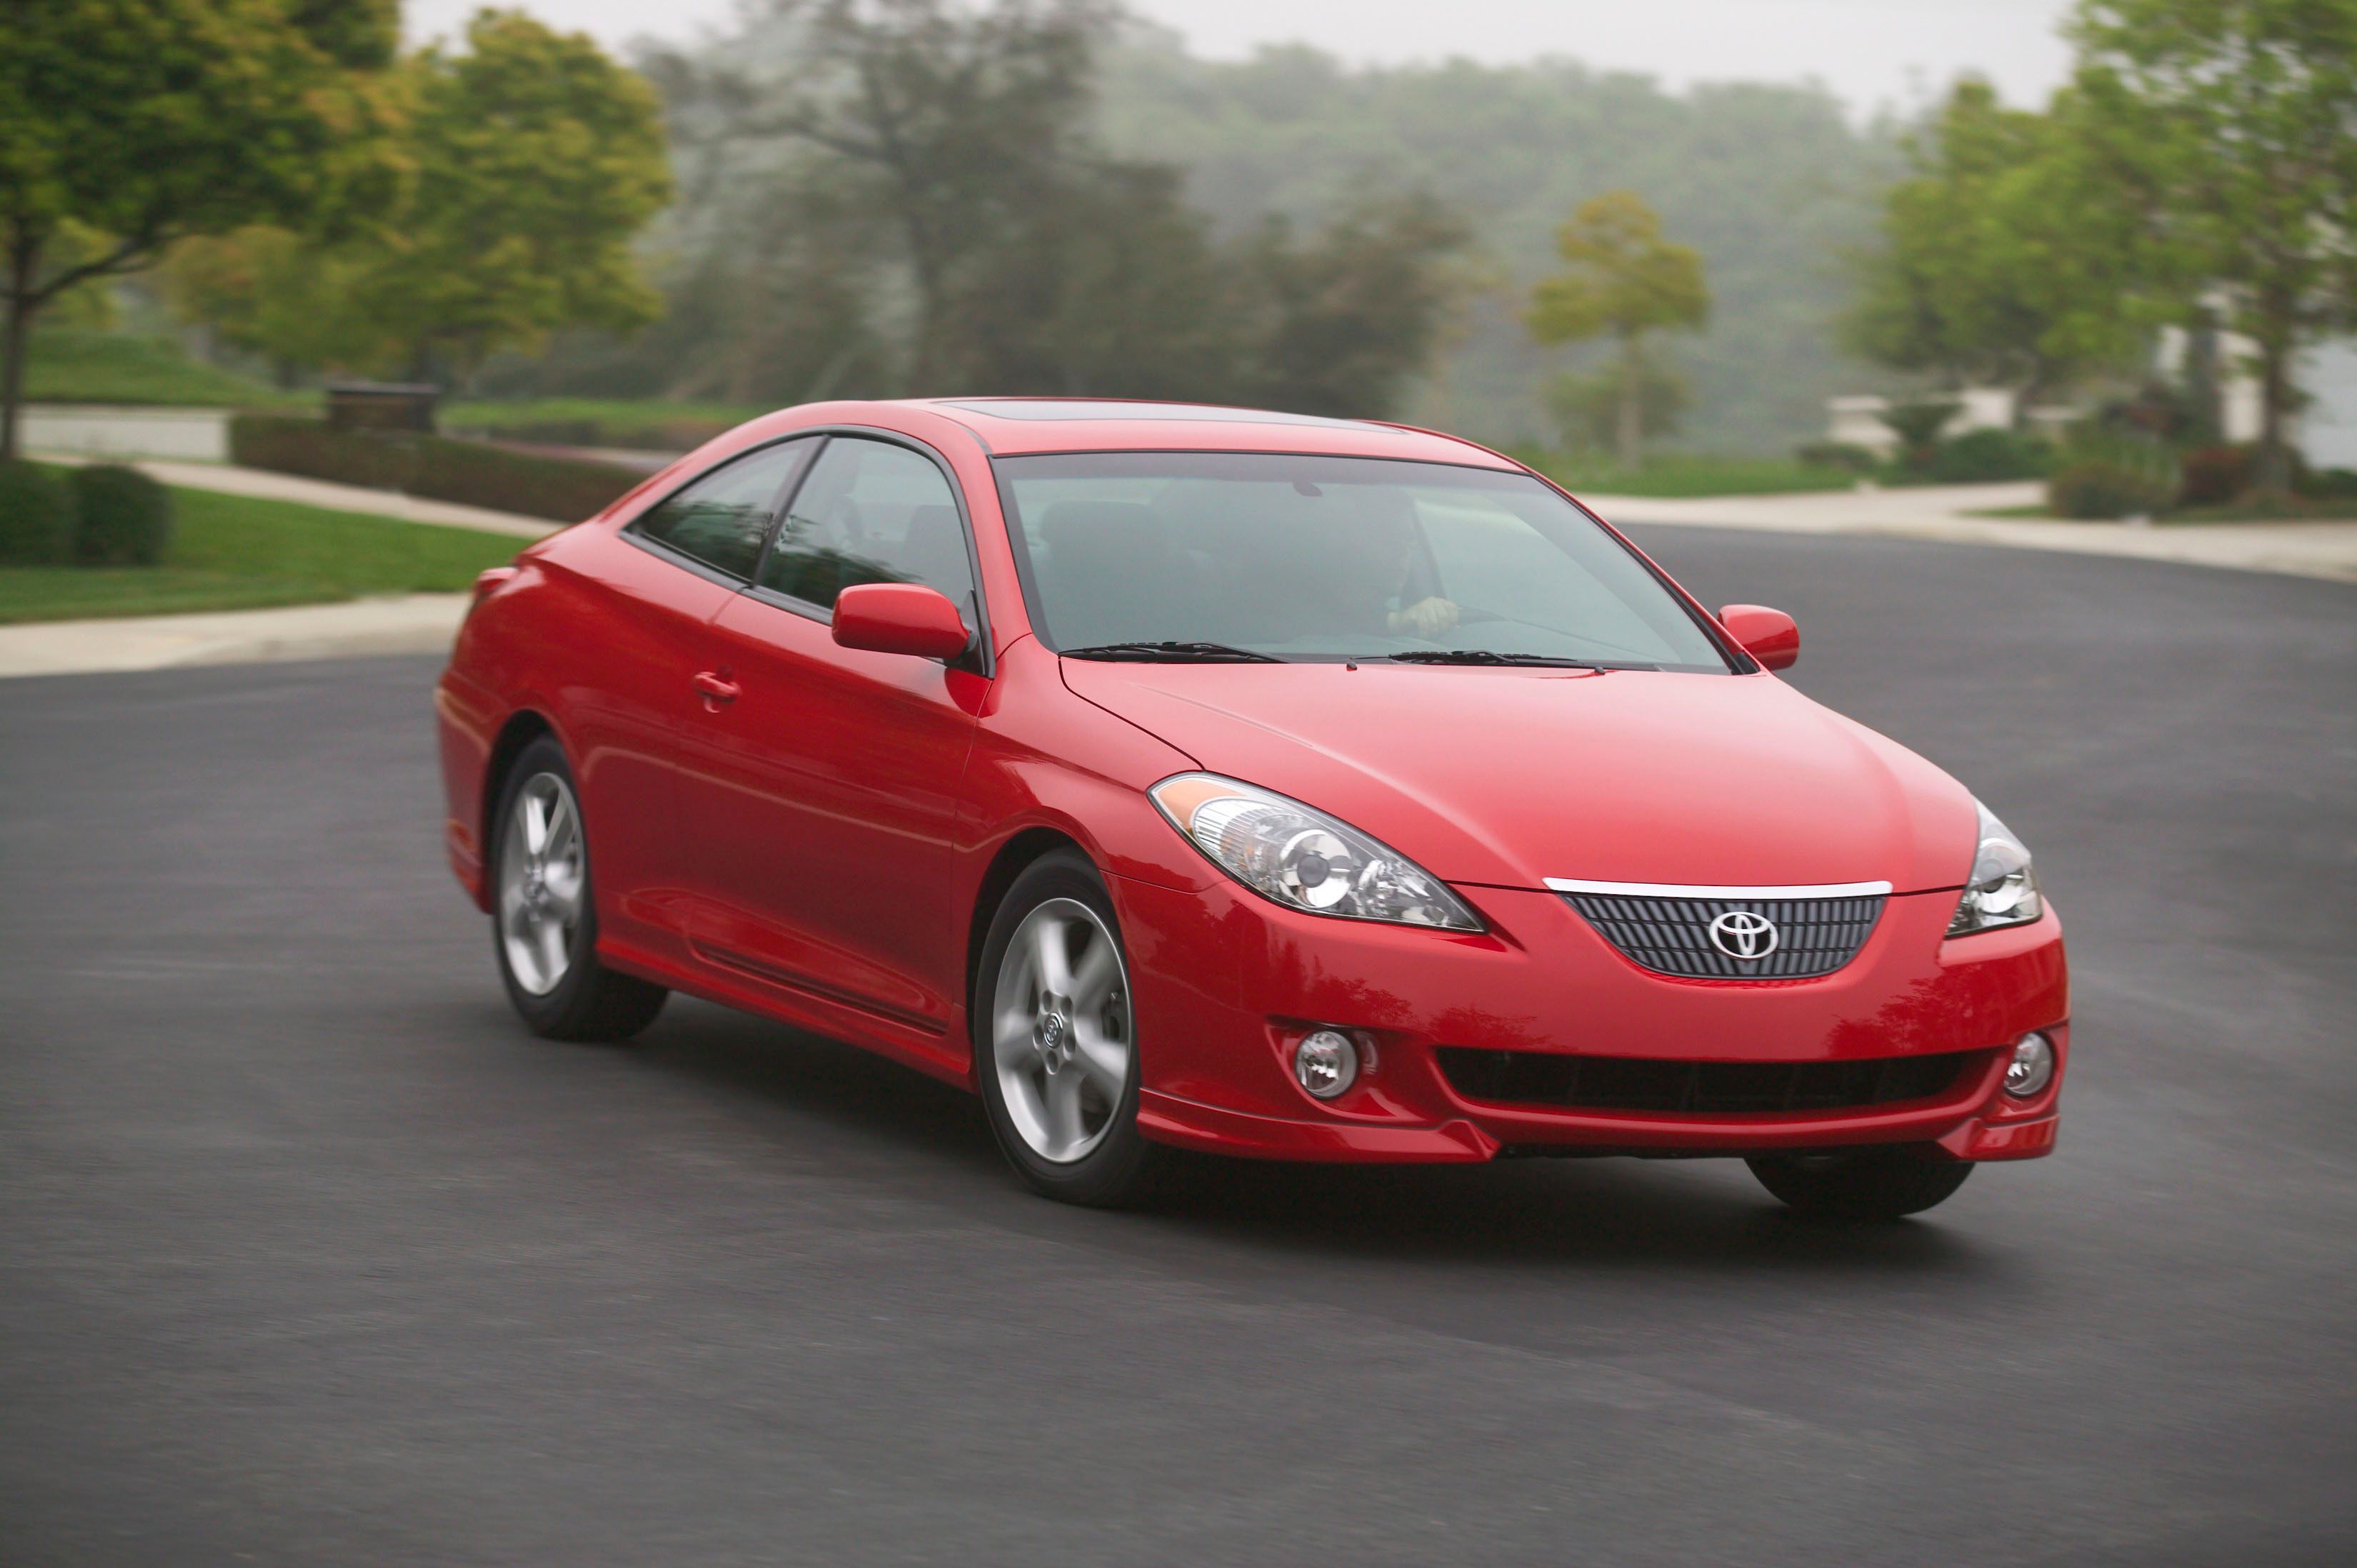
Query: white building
(2325, 430)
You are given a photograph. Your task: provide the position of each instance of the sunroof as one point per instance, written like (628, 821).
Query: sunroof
(1064, 408)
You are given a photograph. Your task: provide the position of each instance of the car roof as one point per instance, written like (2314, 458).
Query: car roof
(1006, 426)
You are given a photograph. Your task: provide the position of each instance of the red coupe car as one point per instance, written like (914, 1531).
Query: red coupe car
(1247, 782)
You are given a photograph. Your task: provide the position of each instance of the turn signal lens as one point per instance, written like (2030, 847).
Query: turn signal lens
(1292, 854)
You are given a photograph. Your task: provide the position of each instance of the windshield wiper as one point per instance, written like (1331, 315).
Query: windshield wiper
(1172, 653)
(1489, 656)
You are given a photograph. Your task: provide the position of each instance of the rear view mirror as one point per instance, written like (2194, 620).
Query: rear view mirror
(900, 617)
(1767, 635)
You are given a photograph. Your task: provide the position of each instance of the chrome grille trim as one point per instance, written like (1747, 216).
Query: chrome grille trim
(1669, 933)
(1738, 895)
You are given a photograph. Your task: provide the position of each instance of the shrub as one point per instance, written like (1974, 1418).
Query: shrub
(2215, 475)
(1847, 455)
(121, 518)
(36, 526)
(1918, 426)
(470, 473)
(2327, 483)
(308, 447)
(2122, 477)
(1989, 456)
(563, 489)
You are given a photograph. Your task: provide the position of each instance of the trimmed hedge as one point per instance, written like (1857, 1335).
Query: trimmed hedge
(470, 473)
(1845, 455)
(1989, 456)
(2215, 475)
(36, 517)
(121, 518)
(2107, 478)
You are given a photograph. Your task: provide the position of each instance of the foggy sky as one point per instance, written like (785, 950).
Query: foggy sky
(1872, 53)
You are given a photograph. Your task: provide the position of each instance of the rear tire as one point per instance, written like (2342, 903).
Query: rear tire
(544, 910)
(1880, 1182)
(1055, 1038)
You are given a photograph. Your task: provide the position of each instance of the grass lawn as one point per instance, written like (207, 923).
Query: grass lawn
(1677, 475)
(71, 364)
(235, 552)
(600, 422)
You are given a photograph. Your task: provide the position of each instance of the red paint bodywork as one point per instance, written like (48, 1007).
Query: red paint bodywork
(817, 833)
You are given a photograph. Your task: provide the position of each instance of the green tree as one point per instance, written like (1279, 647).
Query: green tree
(1588, 408)
(281, 295)
(2007, 257)
(963, 127)
(2235, 124)
(147, 121)
(537, 159)
(530, 162)
(1625, 280)
(1343, 319)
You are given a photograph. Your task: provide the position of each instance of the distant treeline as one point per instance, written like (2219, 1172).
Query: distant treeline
(1059, 200)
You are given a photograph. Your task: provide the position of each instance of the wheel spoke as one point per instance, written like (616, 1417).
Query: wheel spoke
(551, 934)
(533, 809)
(1094, 977)
(1049, 952)
(561, 830)
(1010, 1039)
(564, 884)
(1066, 1132)
(1103, 1060)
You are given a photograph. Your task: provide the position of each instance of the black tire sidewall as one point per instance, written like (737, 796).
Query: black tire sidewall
(1877, 1183)
(1115, 1171)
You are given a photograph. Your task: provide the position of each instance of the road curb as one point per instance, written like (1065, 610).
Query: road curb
(412, 623)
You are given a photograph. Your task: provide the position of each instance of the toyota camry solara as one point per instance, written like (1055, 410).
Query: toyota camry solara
(1242, 782)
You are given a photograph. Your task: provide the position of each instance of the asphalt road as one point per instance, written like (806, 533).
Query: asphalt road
(309, 1254)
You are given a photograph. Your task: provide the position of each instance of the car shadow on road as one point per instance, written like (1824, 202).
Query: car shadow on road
(928, 1140)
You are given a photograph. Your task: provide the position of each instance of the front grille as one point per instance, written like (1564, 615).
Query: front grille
(1647, 1083)
(1671, 936)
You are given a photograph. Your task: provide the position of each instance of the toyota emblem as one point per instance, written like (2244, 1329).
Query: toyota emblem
(1740, 934)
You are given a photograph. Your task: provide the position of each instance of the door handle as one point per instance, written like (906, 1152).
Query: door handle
(715, 689)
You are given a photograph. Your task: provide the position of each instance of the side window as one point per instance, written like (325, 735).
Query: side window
(870, 512)
(719, 520)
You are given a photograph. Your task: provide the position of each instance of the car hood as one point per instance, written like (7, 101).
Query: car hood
(1507, 778)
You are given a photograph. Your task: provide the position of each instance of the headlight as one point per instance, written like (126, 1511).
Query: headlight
(1304, 859)
(2003, 889)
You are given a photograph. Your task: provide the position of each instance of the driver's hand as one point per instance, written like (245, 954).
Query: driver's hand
(1426, 617)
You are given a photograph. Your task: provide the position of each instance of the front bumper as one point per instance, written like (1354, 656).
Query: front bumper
(1226, 983)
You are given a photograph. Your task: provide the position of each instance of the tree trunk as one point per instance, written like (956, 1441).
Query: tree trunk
(24, 262)
(2273, 471)
(1632, 411)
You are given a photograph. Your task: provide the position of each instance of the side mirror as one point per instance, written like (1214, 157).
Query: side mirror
(900, 617)
(1767, 635)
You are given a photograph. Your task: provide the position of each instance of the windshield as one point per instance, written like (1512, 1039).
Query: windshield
(1286, 556)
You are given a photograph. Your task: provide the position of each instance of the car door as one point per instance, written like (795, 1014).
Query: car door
(628, 671)
(823, 797)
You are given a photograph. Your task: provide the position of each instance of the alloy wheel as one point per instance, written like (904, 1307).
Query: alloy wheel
(1061, 1039)
(542, 876)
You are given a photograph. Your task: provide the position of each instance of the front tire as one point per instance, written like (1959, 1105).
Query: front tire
(1880, 1182)
(544, 912)
(1056, 1039)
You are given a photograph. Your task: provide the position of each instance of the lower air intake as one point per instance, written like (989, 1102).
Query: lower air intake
(1731, 1089)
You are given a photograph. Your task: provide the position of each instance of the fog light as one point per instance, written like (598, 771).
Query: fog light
(1326, 1062)
(2031, 1069)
